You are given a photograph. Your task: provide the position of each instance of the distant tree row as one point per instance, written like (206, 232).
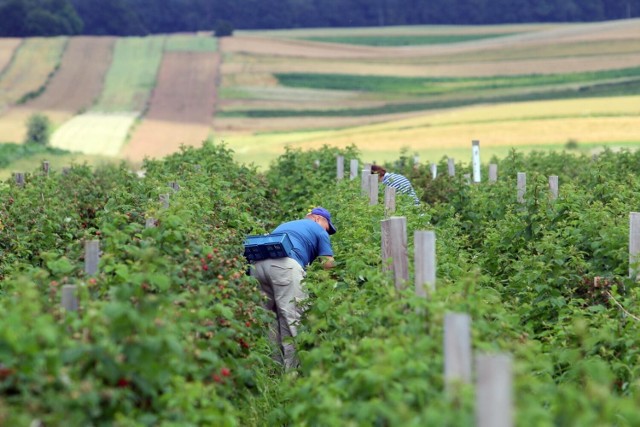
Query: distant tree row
(20, 18)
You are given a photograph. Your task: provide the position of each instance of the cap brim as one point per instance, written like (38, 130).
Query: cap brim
(332, 229)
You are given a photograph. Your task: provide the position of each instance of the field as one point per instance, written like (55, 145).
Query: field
(429, 90)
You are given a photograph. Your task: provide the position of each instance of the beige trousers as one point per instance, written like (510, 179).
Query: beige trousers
(281, 280)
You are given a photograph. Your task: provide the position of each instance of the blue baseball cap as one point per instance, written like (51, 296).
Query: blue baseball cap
(325, 214)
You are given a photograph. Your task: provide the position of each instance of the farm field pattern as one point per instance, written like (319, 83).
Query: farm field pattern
(128, 98)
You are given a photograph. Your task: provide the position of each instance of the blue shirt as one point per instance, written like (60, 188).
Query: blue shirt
(308, 238)
(400, 183)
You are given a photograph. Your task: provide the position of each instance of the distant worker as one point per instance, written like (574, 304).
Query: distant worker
(281, 278)
(395, 180)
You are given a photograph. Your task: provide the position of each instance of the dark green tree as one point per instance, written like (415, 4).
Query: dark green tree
(38, 130)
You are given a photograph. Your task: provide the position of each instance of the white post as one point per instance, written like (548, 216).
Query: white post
(457, 348)
(150, 223)
(19, 177)
(164, 201)
(353, 169)
(340, 167)
(634, 245)
(389, 200)
(451, 166)
(364, 183)
(522, 186)
(316, 164)
(424, 262)
(494, 406)
(69, 298)
(373, 189)
(394, 245)
(91, 256)
(475, 149)
(493, 172)
(553, 186)
(434, 170)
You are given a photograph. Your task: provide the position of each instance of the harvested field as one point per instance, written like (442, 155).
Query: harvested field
(95, 133)
(534, 124)
(181, 108)
(72, 88)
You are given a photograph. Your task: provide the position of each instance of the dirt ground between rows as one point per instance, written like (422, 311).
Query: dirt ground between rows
(181, 107)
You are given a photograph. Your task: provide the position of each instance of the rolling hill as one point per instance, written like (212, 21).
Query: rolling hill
(427, 89)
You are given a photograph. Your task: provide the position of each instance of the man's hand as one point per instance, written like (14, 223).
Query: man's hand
(328, 262)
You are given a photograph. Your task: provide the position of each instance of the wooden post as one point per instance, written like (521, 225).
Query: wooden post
(493, 172)
(373, 189)
(389, 200)
(494, 406)
(66, 170)
(457, 348)
(522, 186)
(424, 262)
(353, 169)
(394, 246)
(45, 167)
(340, 168)
(150, 223)
(451, 166)
(164, 201)
(91, 256)
(434, 170)
(553, 186)
(69, 298)
(634, 245)
(475, 151)
(19, 177)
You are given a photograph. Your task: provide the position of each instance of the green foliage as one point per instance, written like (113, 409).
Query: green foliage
(38, 130)
(171, 330)
(297, 177)
(10, 153)
(400, 40)
(223, 28)
(20, 18)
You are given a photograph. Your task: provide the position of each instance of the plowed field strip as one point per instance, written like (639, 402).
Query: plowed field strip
(78, 82)
(156, 139)
(7, 48)
(181, 108)
(35, 60)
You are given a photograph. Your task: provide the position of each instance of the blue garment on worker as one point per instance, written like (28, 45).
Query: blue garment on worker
(400, 183)
(308, 238)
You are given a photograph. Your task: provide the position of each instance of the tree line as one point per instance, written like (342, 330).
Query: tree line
(23, 18)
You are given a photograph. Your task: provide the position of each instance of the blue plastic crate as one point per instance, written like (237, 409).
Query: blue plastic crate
(276, 245)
